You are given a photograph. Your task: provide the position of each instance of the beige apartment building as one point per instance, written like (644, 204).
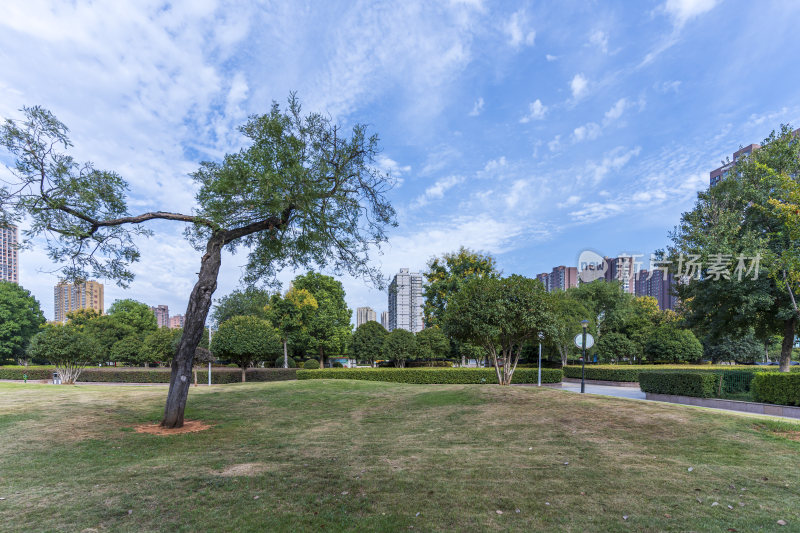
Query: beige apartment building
(9, 254)
(73, 296)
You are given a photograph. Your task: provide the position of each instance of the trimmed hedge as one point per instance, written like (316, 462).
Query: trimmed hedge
(777, 387)
(153, 375)
(431, 375)
(697, 384)
(311, 364)
(630, 373)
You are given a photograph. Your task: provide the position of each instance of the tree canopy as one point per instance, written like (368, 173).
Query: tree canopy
(329, 328)
(20, 319)
(399, 347)
(368, 342)
(302, 192)
(246, 340)
(250, 301)
(67, 348)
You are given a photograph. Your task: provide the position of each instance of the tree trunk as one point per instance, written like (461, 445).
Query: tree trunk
(194, 371)
(463, 360)
(789, 327)
(321, 358)
(244, 374)
(194, 325)
(285, 354)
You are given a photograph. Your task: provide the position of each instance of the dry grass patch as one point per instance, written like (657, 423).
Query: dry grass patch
(189, 426)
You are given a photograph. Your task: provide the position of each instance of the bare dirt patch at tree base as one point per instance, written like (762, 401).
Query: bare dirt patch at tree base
(244, 469)
(189, 426)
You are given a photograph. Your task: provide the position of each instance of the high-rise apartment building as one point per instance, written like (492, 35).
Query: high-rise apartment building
(561, 278)
(405, 302)
(718, 174)
(73, 296)
(162, 315)
(622, 269)
(9, 254)
(660, 285)
(176, 321)
(385, 319)
(364, 315)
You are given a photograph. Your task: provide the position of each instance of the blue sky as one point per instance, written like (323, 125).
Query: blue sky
(529, 130)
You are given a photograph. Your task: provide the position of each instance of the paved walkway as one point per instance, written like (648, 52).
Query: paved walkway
(605, 390)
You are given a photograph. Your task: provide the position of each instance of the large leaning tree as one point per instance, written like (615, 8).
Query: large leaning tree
(303, 192)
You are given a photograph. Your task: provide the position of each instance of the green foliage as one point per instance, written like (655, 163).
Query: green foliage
(499, 313)
(739, 348)
(668, 344)
(368, 342)
(400, 346)
(328, 327)
(431, 375)
(775, 387)
(68, 349)
(137, 315)
(159, 346)
(151, 375)
(432, 344)
(568, 312)
(444, 277)
(248, 302)
(127, 351)
(20, 319)
(246, 340)
(337, 364)
(697, 384)
(291, 362)
(630, 373)
(613, 347)
(311, 364)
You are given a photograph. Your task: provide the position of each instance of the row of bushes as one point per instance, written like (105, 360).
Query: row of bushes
(777, 387)
(697, 384)
(153, 375)
(630, 373)
(431, 375)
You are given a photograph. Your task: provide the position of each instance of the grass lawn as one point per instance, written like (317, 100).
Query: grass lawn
(332, 455)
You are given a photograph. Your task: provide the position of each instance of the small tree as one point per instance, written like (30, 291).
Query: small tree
(68, 349)
(499, 315)
(291, 315)
(568, 312)
(246, 340)
(613, 347)
(128, 351)
(669, 344)
(432, 344)
(159, 346)
(329, 325)
(202, 356)
(20, 319)
(400, 346)
(368, 342)
(250, 301)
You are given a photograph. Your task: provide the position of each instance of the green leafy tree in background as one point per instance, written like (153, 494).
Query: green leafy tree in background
(303, 192)
(135, 314)
(432, 344)
(669, 344)
(744, 349)
(250, 301)
(291, 315)
(67, 348)
(20, 319)
(128, 351)
(499, 315)
(368, 342)
(616, 347)
(159, 346)
(748, 214)
(568, 312)
(399, 347)
(329, 326)
(246, 340)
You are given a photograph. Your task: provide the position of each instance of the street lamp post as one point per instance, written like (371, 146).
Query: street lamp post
(585, 324)
(541, 338)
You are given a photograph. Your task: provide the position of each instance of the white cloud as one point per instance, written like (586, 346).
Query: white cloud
(588, 132)
(495, 164)
(682, 11)
(599, 39)
(550, 57)
(437, 190)
(613, 160)
(477, 108)
(555, 144)
(516, 28)
(616, 110)
(570, 201)
(387, 165)
(536, 111)
(668, 86)
(578, 86)
(515, 193)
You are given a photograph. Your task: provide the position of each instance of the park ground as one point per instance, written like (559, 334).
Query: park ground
(343, 455)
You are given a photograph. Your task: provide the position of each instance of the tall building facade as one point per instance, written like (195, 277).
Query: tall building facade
(162, 315)
(405, 302)
(364, 315)
(385, 319)
(622, 269)
(658, 284)
(560, 279)
(719, 174)
(9, 254)
(544, 278)
(73, 296)
(176, 321)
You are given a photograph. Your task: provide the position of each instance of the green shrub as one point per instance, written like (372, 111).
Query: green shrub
(697, 384)
(279, 362)
(311, 364)
(630, 373)
(152, 375)
(777, 387)
(431, 364)
(337, 364)
(431, 375)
